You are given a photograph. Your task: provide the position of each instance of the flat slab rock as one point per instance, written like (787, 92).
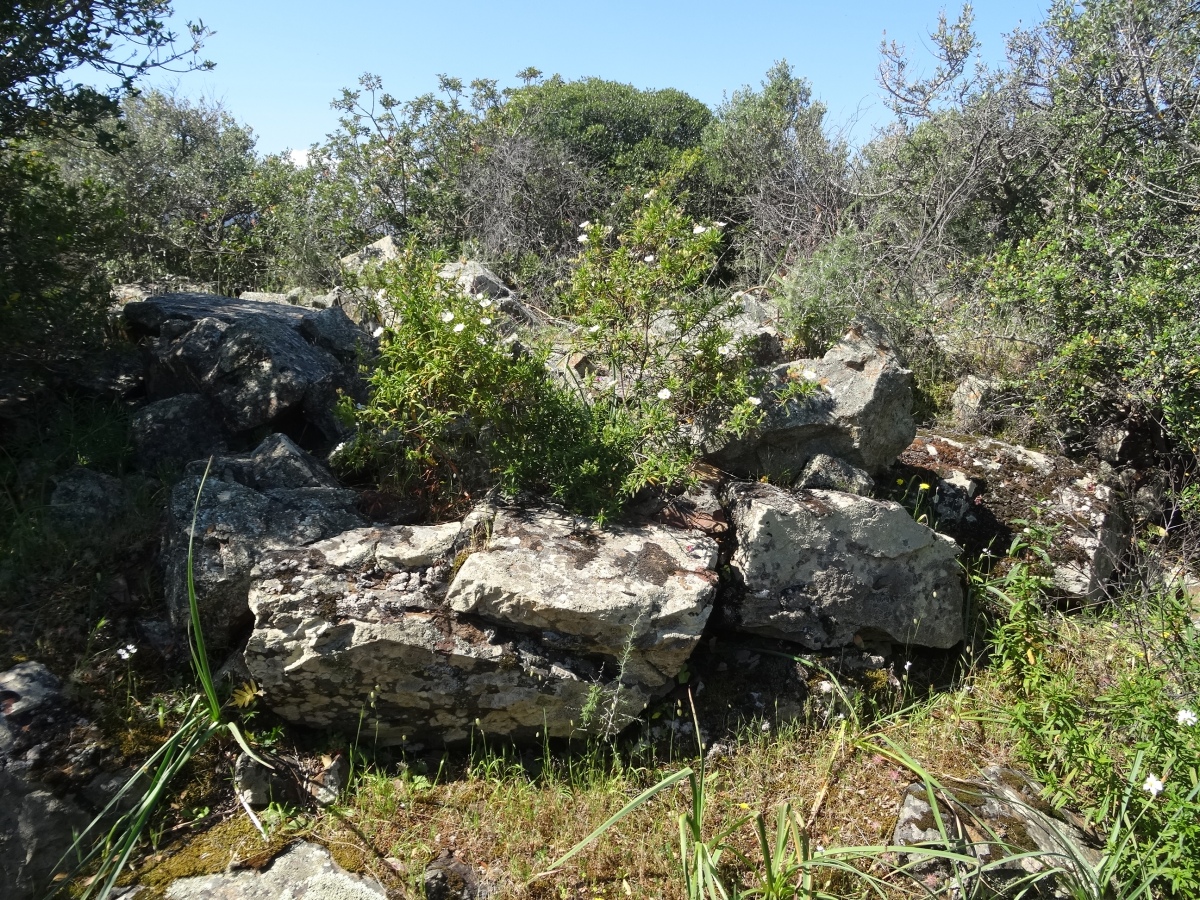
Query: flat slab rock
(364, 630)
(821, 567)
(305, 872)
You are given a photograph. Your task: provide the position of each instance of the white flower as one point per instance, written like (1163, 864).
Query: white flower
(648, 258)
(480, 340)
(485, 321)
(127, 651)
(593, 329)
(459, 327)
(1153, 785)
(719, 224)
(698, 229)
(485, 302)
(1186, 717)
(809, 375)
(447, 316)
(582, 239)
(754, 401)
(664, 394)
(907, 666)
(377, 332)
(650, 193)
(585, 224)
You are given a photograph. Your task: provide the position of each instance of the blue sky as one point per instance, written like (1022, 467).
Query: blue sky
(280, 62)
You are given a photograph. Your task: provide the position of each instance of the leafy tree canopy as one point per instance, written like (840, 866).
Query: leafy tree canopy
(42, 42)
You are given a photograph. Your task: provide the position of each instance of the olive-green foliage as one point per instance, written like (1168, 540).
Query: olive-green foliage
(656, 331)
(52, 297)
(771, 168)
(181, 174)
(44, 41)
(454, 409)
(628, 135)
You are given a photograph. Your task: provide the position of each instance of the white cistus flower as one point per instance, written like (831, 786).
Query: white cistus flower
(1186, 718)
(1153, 785)
(447, 316)
(649, 258)
(698, 229)
(582, 239)
(485, 321)
(585, 224)
(459, 327)
(485, 302)
(754, 401)
(664, 394)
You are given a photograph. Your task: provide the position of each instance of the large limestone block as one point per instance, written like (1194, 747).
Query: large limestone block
(820, 567)
(305, 872)
(861, 412)
(546, 630)
(640, 594)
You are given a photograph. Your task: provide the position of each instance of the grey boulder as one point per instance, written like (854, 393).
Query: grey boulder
(257, 362)
(276, 497)
(84, 500)
(175, 431)
(822, 567)
(475, 279)
(859, 409)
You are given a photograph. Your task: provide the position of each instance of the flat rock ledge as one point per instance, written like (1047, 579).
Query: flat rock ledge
(823, 567)
(545, 629)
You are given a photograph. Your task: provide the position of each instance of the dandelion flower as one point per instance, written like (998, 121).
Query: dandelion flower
(485, 302)
(1153, 785)
(485, 321)
(648, 258)
(664, 394)
(754, 401)
(923, 486)
(582, 239)
(698, 229)
(447, 316)
(1186, 718)
(459, 327)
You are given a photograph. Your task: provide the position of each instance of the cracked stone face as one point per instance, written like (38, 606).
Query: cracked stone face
(821, 567)
(544, 629)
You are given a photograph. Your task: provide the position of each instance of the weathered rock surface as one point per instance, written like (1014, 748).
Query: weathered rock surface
(382, 251)
(862, 412)
(545, 629)
(175, 431)
(641, 594)
(276, 497)
(85, 500)
(305, 872)
(475, 279)
(821, 567)
(970, 405)
(37, 825)
(831, 474)
(259, 363)
(754, 331)
(997, 817)
(1081, 516)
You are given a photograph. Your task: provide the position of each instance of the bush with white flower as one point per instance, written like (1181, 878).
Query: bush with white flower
(653, 327)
